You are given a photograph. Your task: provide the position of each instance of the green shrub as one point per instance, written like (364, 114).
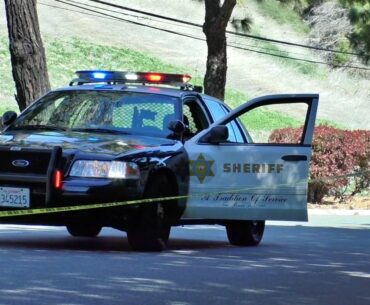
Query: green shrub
(342, 58)
(340, 160)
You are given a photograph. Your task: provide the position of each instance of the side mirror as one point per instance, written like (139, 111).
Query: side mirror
(176, 127)
(8, 118)
(216, 135)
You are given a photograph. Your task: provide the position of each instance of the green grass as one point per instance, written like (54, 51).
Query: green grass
(7, 86)
(235, 98)
(65, 57)
(283, 14)
(263, 119)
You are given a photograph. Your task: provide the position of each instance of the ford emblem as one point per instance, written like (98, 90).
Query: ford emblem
(20, 163)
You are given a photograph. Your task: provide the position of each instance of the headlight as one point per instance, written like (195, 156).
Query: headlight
(105, 169)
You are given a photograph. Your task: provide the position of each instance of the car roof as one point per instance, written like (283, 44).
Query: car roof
(169, 84)
(170, 91)
(162, 90)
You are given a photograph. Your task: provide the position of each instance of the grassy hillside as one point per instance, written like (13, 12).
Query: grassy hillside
(343, 95)
(65, 57)
(7, 87)
(282, 14)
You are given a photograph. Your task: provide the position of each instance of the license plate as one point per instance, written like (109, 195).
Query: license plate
(15, 197)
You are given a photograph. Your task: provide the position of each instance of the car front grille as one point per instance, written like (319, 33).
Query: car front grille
(24, 162)
(31, 168)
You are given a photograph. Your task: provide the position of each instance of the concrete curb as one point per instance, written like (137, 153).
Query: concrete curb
(338, 212)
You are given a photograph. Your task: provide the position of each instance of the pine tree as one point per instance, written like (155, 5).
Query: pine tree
(359, 14)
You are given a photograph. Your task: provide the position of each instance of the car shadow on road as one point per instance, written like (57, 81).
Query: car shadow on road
(100, 243)
(317, 238)
(276, 238)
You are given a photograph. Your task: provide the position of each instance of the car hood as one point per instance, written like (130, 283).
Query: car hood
(81, 141)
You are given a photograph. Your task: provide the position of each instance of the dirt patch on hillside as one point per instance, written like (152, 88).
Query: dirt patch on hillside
(353, 203)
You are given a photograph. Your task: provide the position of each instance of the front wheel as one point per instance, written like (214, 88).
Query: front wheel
(245, 233)
(151, 229)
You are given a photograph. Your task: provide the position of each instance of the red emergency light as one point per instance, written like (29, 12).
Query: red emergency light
(154, 77)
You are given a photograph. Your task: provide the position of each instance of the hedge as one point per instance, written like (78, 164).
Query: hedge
(336, 153)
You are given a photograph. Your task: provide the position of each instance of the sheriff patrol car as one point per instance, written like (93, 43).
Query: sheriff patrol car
(120, 136)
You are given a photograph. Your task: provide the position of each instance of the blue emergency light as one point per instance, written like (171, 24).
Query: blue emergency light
(99, 75)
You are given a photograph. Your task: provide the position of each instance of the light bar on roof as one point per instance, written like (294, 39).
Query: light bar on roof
(132, 77)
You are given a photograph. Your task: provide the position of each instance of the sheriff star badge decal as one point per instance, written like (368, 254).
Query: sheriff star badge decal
(201, 168)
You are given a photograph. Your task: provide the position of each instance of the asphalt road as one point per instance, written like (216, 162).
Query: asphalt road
(325, 262)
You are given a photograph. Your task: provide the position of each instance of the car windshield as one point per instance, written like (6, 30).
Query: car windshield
(101, 111)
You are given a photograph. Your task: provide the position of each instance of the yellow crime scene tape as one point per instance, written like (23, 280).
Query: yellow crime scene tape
(84, 207)
(25, 212)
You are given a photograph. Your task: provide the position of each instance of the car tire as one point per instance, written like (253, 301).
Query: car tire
(245, 233)
(151, 229)
(84, 230)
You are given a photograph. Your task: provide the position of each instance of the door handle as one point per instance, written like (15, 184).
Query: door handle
(294, 158)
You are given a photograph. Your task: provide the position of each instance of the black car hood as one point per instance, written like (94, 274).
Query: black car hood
(81, 141)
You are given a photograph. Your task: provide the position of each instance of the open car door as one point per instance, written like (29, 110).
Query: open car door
(253, 164)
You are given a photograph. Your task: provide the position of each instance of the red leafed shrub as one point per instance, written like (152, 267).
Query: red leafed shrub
(336, 154)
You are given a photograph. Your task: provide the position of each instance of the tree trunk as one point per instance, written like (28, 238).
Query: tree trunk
(27, 51)
(214, 28)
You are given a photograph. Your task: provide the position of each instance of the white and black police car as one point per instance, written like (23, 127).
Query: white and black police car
(119, 136)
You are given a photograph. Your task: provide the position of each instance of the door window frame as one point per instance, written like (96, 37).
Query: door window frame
(310, 99)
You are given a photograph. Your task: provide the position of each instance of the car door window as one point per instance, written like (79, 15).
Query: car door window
(280, 123)
(218, 111)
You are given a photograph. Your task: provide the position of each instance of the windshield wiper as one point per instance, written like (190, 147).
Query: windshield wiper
(100, 130)
(38, 127)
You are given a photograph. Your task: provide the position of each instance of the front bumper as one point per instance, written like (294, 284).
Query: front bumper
(73, 191)
(77, 192)
(94, 190)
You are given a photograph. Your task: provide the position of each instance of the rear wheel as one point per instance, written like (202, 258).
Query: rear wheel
(245, 233)
(84, 230)
(150, 231)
